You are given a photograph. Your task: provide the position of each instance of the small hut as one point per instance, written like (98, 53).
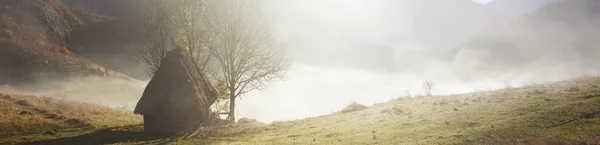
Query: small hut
(178, 97)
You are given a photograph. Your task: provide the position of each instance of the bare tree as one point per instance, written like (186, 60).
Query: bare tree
(229, 32)
(243, 47)
(156, 37)
(428, 85)
(173, 23)
(190, 32)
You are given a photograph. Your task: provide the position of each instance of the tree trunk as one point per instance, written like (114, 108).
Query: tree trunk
(232, 109)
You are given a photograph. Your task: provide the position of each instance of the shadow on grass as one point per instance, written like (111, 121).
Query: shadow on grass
(111, 136)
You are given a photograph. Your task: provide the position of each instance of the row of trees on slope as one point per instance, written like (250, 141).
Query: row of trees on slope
(228, 40)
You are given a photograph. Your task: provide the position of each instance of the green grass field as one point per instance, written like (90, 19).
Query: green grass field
(555, 113)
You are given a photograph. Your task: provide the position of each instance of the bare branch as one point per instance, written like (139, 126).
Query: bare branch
(173, 23)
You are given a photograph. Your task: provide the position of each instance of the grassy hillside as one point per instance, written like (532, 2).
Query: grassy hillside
(26, 118)
(563, 112)
(555, 113)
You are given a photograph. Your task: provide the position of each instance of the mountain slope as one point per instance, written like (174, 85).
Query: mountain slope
(560, 36)
(36, 24)
(516, 8)
(110, 43)
(441, 23)
(37, 42)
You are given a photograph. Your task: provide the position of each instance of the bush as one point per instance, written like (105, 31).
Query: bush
(354, 107)
(398, 110)
(25, 103)
(248, 121)
(7, 34)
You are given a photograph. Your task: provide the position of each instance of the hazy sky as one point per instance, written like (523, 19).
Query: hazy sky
(482, 1)
(517, 7)
(368, 51)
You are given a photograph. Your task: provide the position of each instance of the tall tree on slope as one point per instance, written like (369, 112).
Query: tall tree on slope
(242, 45)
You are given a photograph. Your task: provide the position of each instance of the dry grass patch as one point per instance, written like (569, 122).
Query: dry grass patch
(32, 116)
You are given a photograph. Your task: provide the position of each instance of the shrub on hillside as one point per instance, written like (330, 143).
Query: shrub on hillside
(6, 33)
(25, 103)
(354, 107)
(62, 50)
(248, 121)
(398, 110)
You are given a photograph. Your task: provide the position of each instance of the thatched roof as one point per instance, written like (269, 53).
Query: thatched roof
(175, 84)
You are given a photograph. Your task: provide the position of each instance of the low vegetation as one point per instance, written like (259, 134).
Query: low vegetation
(353, 108)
